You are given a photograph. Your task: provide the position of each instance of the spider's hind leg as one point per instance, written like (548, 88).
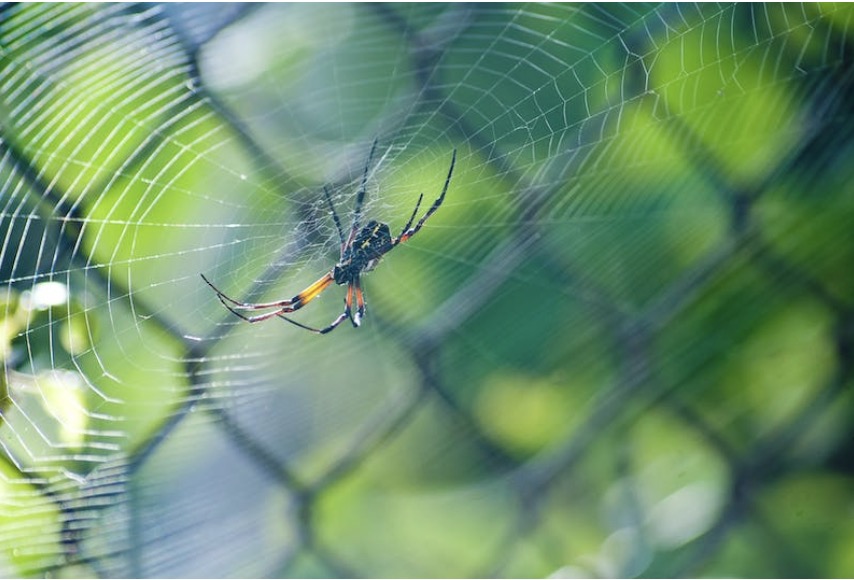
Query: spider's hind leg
(363, 188)
(336, 218)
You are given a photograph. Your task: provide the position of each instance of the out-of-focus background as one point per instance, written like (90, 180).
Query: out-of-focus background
(623, 345)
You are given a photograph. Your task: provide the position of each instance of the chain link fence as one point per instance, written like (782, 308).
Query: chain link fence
(631, 349)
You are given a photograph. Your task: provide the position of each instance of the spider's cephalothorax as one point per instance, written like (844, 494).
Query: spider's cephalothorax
(361, 251)
(371, 243)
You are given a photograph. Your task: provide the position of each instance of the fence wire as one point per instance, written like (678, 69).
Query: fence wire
(107, 518)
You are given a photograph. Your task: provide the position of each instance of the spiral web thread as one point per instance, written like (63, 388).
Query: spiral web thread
(148, 432)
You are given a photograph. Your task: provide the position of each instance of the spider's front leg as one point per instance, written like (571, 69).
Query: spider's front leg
(348, 303)
(280, 306)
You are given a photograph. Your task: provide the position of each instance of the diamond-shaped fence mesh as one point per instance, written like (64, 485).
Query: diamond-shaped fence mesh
(621, 346)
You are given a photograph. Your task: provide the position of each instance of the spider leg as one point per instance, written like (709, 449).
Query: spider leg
(408, 233)
(335, 217)
(281, 306)
(360, 303)
(312, 292)
(360, 196)
(412, 217)
(257, 318)
(341, 317)
(225, 299)
(329, 328)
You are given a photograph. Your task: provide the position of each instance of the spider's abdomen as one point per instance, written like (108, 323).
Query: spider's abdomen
(369, 245)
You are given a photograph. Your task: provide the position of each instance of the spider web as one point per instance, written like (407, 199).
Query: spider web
(621, 346)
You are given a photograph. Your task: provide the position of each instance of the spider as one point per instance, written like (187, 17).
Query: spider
(361, 251)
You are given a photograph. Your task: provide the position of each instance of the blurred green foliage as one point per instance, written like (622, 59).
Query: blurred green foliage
(622, 347)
